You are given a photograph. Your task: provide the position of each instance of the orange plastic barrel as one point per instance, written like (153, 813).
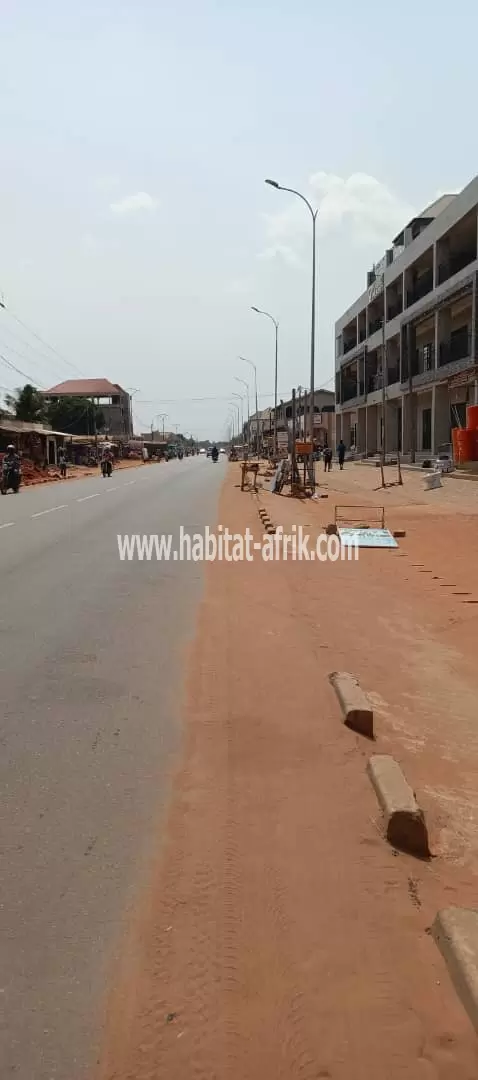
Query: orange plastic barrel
(464, 445)
(454, 443)
(472, 417)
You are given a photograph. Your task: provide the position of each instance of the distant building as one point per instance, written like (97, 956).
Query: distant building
(114, 402)
(324, 415)
(406, 350)
(324, 418)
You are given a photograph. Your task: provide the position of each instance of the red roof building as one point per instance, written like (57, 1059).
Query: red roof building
(115, 402)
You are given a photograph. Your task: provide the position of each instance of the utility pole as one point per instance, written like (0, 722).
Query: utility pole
(259, 311)
(313, 213)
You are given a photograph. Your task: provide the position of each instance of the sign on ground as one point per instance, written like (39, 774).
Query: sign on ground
(367, 538)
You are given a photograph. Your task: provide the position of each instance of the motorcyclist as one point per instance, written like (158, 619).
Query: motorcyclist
(11, 470)
(11, 458)
(214, 453)
(107, 461)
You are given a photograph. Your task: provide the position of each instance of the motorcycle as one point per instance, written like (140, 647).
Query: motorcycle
(11, 478)
(106, 468)
(215, 455)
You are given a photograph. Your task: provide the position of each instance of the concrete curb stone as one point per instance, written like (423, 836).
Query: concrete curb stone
(405, 825)
(356, 708)
(455, 932)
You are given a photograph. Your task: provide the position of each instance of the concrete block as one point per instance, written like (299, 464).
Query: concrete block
(356, 708)
(455, 931)
(405, 825)
(399, 534)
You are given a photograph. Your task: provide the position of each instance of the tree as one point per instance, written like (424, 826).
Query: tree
(75, 415)
(27, 403)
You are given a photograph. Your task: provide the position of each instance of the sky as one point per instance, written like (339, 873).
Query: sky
(136, 230)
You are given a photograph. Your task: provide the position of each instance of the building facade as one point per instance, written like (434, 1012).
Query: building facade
(405, 351)
(324, 418)
(114, 402)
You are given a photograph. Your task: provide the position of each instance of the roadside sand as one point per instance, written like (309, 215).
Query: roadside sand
(280, 935)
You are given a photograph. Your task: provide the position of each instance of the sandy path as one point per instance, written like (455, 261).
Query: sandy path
(281, 937)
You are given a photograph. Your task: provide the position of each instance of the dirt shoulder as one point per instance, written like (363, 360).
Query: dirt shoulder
(281, 937)
(33, 476)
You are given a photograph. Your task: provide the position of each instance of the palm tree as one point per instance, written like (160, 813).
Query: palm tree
(27, 403)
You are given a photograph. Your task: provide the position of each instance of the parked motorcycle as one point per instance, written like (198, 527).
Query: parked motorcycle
(11, 478)
(106, 468)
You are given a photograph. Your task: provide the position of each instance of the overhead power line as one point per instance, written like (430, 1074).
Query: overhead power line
(219, 397)
(42, 340)
(47, 345)
(14, 367)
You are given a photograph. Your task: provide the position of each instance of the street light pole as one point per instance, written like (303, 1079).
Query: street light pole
(236, 407)
(232, 418)
(259, 311)
(162, 416)
(244, 383)
(252, 364)
(313, 213)
(241, 399)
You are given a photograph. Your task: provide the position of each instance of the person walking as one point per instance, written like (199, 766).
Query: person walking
(62, 461)
(341, 453)
(327, 459)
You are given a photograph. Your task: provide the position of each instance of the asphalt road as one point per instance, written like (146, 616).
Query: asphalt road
(91, 657)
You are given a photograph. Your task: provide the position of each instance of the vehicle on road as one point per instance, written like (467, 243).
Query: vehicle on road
(11, 472)
(214, 453)
(202, 450)
(222, 450)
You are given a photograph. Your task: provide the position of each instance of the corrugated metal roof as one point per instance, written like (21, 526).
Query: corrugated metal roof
(24, 427)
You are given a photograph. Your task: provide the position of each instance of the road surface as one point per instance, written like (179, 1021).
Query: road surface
(91, 658)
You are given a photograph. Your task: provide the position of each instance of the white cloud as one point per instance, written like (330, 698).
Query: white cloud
(369, 206)
(130, 204)
(371, 211)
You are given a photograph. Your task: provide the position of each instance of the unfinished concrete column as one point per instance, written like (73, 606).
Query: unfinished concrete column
(391, 432)
(444, 335)
(361, 430)
(346, 428)
(338, 426)
(372, 421)
(406, 425)
(440, 417)
(411, 349)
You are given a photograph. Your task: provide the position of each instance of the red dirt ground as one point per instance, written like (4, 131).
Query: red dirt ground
(280, 936)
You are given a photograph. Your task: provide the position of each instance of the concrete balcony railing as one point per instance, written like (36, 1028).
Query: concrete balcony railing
(458, 348)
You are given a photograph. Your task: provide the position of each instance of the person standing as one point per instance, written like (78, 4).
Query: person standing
(62, 461)
(341, 453)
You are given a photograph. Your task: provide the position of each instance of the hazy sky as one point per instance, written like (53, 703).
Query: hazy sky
(136, 229)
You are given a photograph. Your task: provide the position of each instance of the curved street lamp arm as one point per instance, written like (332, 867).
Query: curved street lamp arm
(268, 315)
